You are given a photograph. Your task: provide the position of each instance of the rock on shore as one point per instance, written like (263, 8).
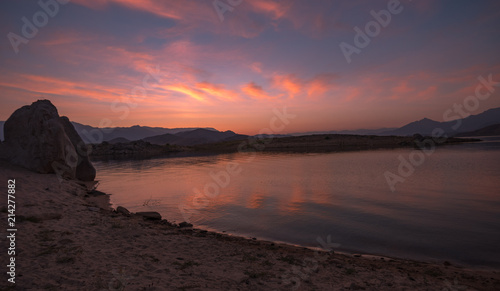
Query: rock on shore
(37, 138)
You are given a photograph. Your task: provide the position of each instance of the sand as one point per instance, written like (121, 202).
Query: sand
(69, 240)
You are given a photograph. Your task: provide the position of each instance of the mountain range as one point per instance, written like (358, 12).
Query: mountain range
(90, 134)
(452, 128)
(486, 122)
(194, 137)
(425, 126)
(485, 131)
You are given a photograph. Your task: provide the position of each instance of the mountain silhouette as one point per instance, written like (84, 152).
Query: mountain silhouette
(195, 137)
(92, 134)
(485, 131)
(427, 126)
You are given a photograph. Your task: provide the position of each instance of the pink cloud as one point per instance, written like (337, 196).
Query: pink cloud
(257, 92)
(273, 8)
(256, 67)
(219, 91)
(288, 83)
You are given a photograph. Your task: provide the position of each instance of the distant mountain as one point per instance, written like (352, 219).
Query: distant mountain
(92, 134)
(155, 135)
(485, 131)
(194, 137)
(191, 136)
(424, 126)
(475, 122)
(470, 123)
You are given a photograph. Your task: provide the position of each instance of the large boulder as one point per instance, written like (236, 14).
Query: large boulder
(37, 138)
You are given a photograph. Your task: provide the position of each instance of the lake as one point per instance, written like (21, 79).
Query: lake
(447, 209)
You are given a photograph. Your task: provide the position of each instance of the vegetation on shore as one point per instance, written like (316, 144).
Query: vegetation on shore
(306, 144)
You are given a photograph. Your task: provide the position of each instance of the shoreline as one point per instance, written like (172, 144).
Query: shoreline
(323, 143)
(357, 254)
(67, 241)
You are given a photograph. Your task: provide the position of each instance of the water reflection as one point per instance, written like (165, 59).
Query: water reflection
(448, 209)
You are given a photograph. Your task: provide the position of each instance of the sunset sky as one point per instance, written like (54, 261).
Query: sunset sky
(179, 64)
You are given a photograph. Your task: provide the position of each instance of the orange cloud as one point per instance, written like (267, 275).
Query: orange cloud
(320, 84)
(218, 91)
(289, 83)
(257, 92)
(313, 88)
(181, 88)
(48, 85)
(276, 9)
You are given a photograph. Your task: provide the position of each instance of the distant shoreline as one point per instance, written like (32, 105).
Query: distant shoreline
(322, 143)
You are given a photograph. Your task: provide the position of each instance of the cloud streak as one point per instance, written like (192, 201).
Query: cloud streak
(263, 55)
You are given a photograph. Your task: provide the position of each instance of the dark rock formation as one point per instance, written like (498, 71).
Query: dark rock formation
(123, 210)
(185, 224)
(37, 138)
(150, 215)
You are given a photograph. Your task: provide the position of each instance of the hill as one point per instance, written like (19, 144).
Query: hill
(468, 124)
(424, 127)
(194, 137)
(491, 130)
(92, 134)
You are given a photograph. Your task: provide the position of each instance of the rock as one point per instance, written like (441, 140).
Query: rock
(85, 171)
(95, 209)
(96, 193)
(185, 224)
(37, 138)
(123, 210)
(151, 215)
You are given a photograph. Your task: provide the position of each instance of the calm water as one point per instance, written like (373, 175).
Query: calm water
(448, 209)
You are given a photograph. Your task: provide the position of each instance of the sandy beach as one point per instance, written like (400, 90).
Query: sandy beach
(250, 145)
(69, 239)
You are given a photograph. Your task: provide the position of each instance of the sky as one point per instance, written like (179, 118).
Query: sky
(237, 64)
